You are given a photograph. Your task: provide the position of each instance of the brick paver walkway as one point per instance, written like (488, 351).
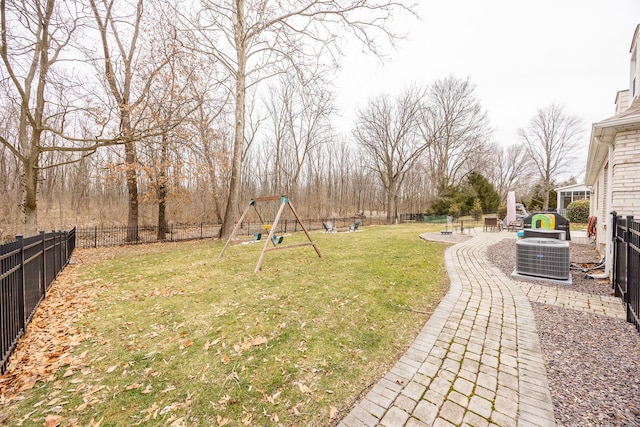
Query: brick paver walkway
(477, 360)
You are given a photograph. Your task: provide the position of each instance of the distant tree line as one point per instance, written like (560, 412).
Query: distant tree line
(152, 112)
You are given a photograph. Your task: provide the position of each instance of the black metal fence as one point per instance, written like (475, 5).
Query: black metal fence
(29, 267)
(93, 237)
(626, 265)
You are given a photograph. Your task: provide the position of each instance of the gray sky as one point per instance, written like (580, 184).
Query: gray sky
(521, 55)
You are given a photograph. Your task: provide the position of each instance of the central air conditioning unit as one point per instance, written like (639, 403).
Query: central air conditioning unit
(547, 234)
(543, 258)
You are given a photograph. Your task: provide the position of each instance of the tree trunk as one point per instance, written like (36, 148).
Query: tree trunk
(30, 195)
(391, 204)
(213, 179)
(162, 192)
(238, 143)
(132, 188)
(545, 202)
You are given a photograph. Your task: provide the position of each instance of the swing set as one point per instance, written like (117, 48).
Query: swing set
(272, 238)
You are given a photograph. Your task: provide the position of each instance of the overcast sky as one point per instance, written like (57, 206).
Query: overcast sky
(522, 55)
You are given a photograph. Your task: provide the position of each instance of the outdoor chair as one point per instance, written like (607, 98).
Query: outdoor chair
(515, 225)
(355, 225)
(328, 227)
(492, 224)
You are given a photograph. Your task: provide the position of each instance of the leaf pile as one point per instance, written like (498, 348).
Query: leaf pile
(47, 346)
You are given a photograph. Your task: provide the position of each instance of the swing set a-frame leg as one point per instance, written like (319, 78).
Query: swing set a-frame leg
(235, 229)
(271, 233)
(305, 230)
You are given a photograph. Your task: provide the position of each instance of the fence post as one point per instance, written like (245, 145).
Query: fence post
(201, 236)
(55, 254)
(614, 261)
(43, 277)
(95, 237)
(66, 247)
(627, 246)
(171, 228)
(21, 280)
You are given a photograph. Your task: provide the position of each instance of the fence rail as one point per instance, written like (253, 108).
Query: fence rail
(94, 237)
(626, 265)
(29, 267)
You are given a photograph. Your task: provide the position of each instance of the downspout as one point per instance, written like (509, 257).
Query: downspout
(608, 254)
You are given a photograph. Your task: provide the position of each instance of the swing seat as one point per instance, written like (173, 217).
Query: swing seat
(277, 239)
(257, 236)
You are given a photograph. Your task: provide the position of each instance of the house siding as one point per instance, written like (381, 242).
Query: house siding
(626, 174)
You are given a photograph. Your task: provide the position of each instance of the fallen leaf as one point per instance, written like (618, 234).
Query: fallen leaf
(247, 420)
(186, 344)
(147, 390)
(333, 411)
(168, 389)
(296, 412)
(222, 421)
(303, 388)
(52, 420)
(54, 402)
(257, 341)
(26, 417)
(225, 359)
(179, 422)
(112, 368)
(150, 411)
(94, 390)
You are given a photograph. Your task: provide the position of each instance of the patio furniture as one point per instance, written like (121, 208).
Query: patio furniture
(515, 225)
(329, 227)
(492, 224)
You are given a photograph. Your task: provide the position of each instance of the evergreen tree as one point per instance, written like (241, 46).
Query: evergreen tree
(484, 190)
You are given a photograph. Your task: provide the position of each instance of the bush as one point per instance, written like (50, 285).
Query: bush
(578, 211)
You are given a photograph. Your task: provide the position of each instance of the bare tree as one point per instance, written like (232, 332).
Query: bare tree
(257, 39)
(459, 128)
(120, 27)
(387, 132)
(35, 37)
(551, 141)
(509, 168)
(299, 122)
(212, 146)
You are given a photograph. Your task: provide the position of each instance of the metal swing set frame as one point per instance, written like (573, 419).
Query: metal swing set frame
(272, 238)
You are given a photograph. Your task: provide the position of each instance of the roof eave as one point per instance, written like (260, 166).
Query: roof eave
(602, 134)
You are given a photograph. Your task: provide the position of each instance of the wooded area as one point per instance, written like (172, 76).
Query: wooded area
(156, 112)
